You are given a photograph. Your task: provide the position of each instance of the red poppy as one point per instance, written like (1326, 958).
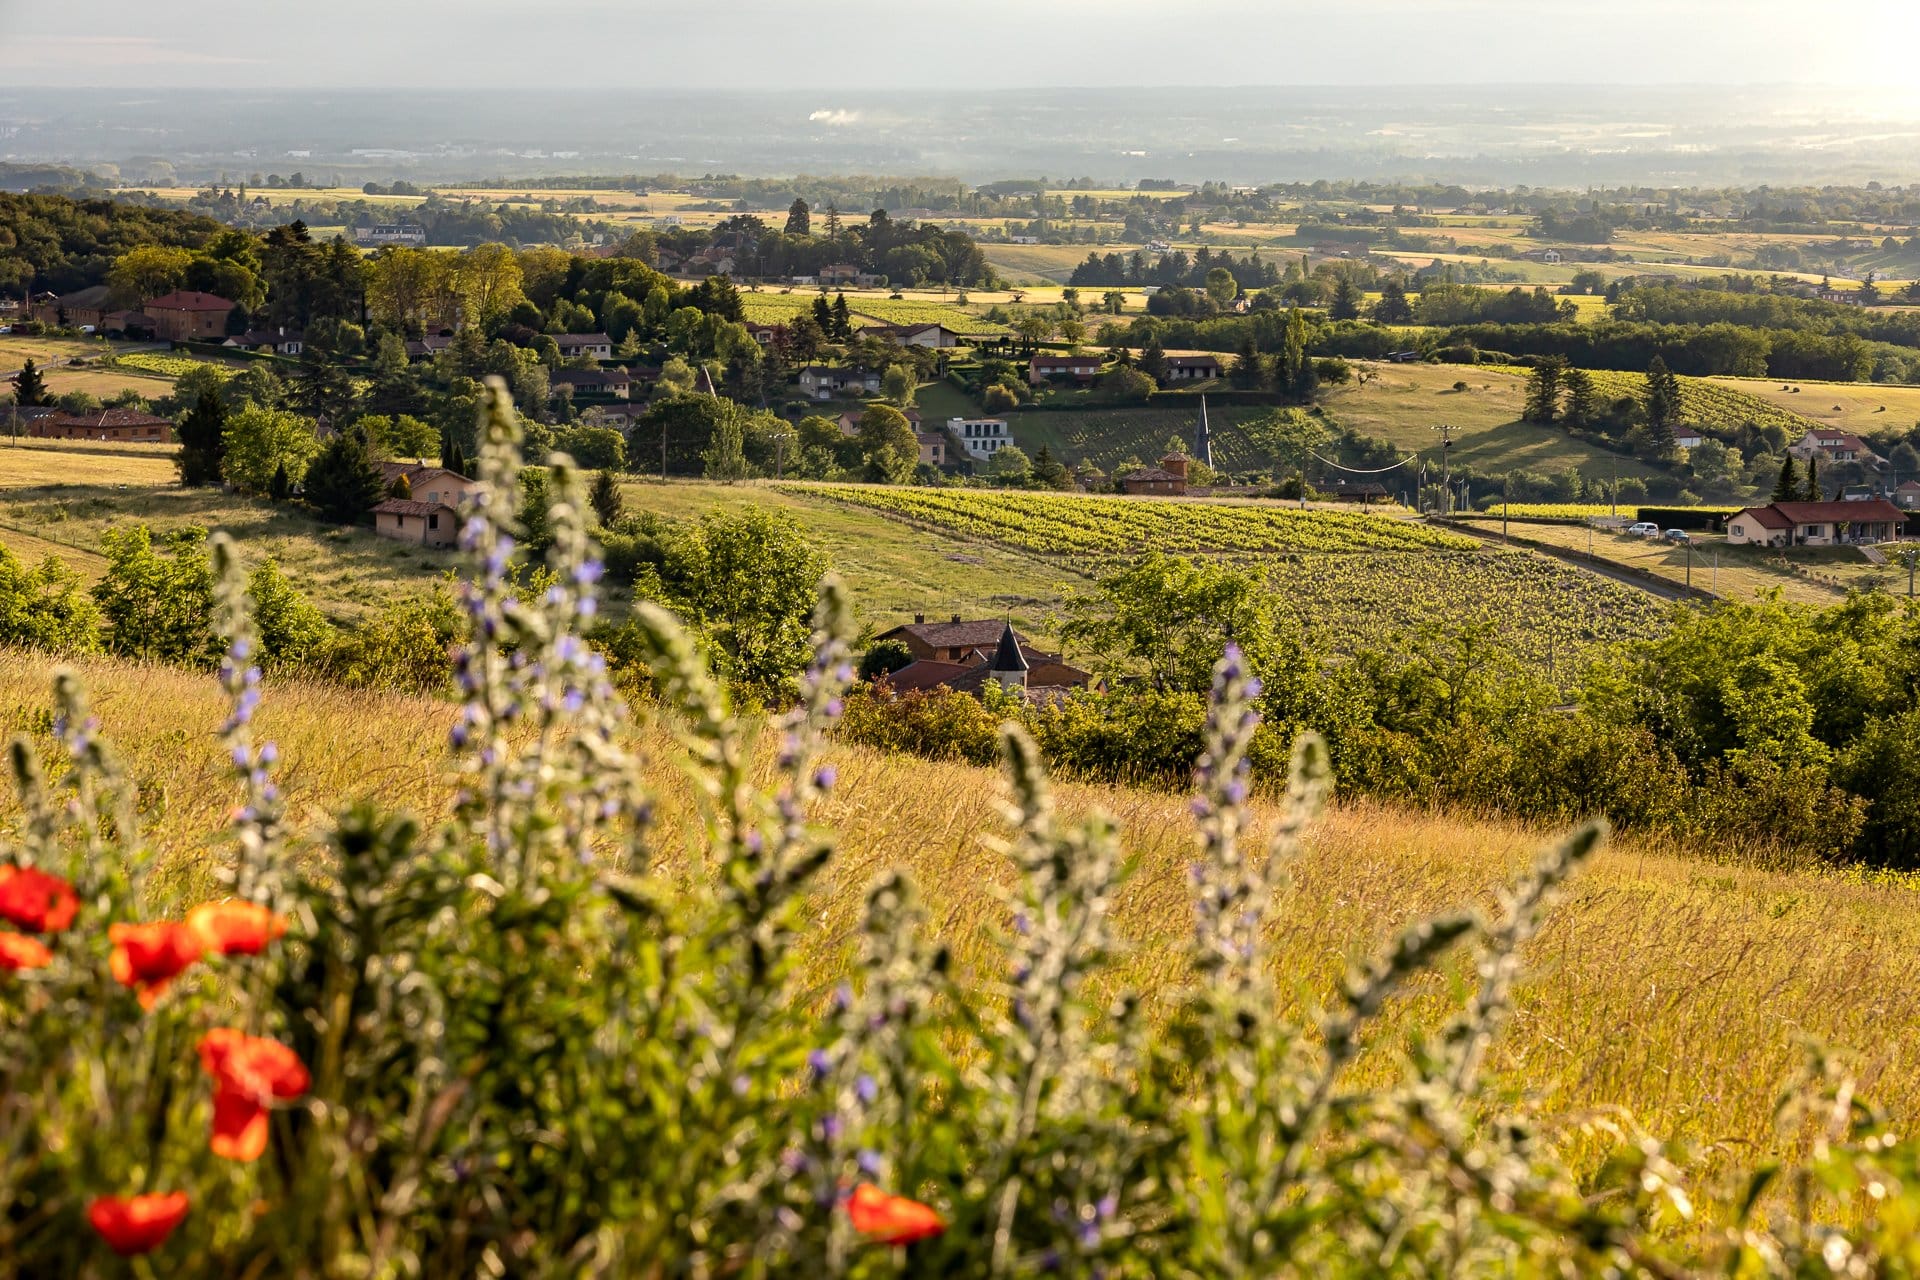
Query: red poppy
(891, 1219)
(249, 1075)
(18, 951)
(137, 1224)
(35, 900)
(235, 928)
(148, 957)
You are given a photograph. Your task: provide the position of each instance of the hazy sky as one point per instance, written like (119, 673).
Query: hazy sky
(888, 44)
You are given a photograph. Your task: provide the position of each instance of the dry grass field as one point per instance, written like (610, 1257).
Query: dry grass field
(1673, 987)
(1851, 406)
(33, 465)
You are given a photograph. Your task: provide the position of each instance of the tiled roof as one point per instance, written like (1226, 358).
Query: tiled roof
(109, 418)
(189, 300)
(1875, 511)
(408, 507)
(981, 633)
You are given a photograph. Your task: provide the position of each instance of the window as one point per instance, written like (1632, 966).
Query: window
(433, 520)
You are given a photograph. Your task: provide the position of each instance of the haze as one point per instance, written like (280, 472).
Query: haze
(883, 44)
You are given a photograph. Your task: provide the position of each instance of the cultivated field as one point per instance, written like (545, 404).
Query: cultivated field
(1675, 988)
(1851, 406)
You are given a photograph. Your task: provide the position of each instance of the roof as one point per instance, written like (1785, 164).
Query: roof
(189, 300)
(260, 337)
(1153, 475)
(582, 340)
(926, 673)
(1766, 517)
(958, 634)
(1907, 486)
(416, 472)
(1069, 361)
(1826, 435)
(109, 418)
(589, 377)
(1873, 511)
(91, 296)
(1191, 362)
(409, 507)
(1007, 657)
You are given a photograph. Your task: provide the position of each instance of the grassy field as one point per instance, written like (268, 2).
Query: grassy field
(1851, 406)
(1675, 988)
(16, 349)
(35, 465)
(1825, 573)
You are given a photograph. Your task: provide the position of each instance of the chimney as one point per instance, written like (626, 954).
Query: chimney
(1176, 464)
(956, 617)
(919, 619)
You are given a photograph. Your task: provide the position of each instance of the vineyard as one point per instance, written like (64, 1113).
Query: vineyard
(1549, 615)
(167, 366)
(779, 308)
(1574, 512)
(1071, 525)
(1705, 404)
(1108, 437)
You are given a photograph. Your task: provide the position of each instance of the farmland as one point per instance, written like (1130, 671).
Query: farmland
(1712, 403)
(866, 310)
(1070, 525)
(1849, 406)
(25, 465)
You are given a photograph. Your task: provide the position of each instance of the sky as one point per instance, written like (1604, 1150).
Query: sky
(904, 44)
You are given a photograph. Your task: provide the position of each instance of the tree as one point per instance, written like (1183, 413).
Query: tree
(202, 434)
(1581, 402)
(1543, 391)
(407, 289)
(889, 451)
(290, 630)
(46, 607)
(799, 218)
(842, 319)
(30, 386)
(1153, 362)
(1127, 384)
(322, 388)
(280, 488)
(1813, 493)
(1347, 300)
(883, 658)
(1049, 472)
(749, 582)
(343, 483)
(725, 457)
(590, 446)
(259, 440)
(1249, 367)
(1289, 436)
(486, 280)
(1010, 466)
(605, 499)
(147, 272)
(1293, 370)
(899, 384)
(1222, 288)
(1393, 307)
(158, 606)
(1787, 487)
(1172, 617)
(1662, 400)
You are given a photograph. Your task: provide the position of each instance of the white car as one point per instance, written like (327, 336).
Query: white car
(1645, 529)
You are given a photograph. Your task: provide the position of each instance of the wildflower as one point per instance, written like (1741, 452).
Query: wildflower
(148, 957)
(891, 1219)
(235, 928)
(137, 1224)
(35, 900)
(17, 952)
(249, 1074)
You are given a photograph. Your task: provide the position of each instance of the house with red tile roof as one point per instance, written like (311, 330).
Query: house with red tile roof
(125, 425)
(186, 315)
(1816, 524)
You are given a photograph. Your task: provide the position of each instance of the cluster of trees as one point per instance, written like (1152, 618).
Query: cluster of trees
(56, 244)
(1176, 268)
(1761, 729)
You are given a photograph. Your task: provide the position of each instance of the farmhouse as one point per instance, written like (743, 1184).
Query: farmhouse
(1169, 479)
(1688, 437)
(1829, 445)
(597, 345)
(1044, 367)
(980, 437)
(286, 342)
(965, 655)
(1192, 368)
(822, 382)
(186, 315)
(108, 424)
(132, 324)
(1816, 524)
(617, 383)
(429, 484)
(80, 308)
(936, 336)
(431, 524)
(390, 233)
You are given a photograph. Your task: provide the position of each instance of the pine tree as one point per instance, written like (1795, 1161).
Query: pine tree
(1346, 301)
(1393, 307)
(30, 386)
(202, 434)
(1787, 487)
(1813, 493)
(344, 482)
(1153, 361)
(1543, 391)
(604, 497)
(842, 319)
(280, 488)
(1249, 370)
(1663, 395)
(833, 221)
(799, 218)
(1581, 406)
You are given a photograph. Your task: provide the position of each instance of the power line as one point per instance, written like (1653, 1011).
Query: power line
(1378, 471)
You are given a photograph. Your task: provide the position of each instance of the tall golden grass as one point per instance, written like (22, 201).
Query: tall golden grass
(1673, 987)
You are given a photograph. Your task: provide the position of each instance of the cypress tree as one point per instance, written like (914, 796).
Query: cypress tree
(281, 486)
(202, 433)
(30, 386)
(604, 497)
(1813, 493)
(1543, 391)
(842, 319)
(1787, 487)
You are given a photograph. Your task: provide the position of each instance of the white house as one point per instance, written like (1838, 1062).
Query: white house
(390, 233)
(1816, 524)
(597, 345)
(822, 382)
(1688, 437)
(980, 437)
(1829, 445)
(1551, 255)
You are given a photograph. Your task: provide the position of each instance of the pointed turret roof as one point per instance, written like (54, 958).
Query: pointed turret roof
(1008, 656)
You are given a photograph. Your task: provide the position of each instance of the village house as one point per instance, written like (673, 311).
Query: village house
(850, 420)
(186, 315)
(764, 334)
(430, 524)
(1907, 496)
(428, 347)
(839, 273)
(1045, 367)
(130, 324)
(286, 342)
(428, 483)
(125, 425)
(617, 383)
(1169, 479)
(1192, 368)
(981, 437)
(390, 233)
(1688, 437)
(933, 336)
(80, 309)
(597, 345)
(1829, 445)
(823, 382)
(1816, 524)
(933, 447)
(964, 655)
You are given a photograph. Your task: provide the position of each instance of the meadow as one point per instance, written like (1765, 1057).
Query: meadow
(1849, 406)
(867, 309)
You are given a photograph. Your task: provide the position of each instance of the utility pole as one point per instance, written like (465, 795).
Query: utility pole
(663, 448)
(1689, 563)
(1446, 463)
(1506, 500)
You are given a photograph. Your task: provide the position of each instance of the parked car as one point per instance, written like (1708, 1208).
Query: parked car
(1645, 529)
(1678, 535)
